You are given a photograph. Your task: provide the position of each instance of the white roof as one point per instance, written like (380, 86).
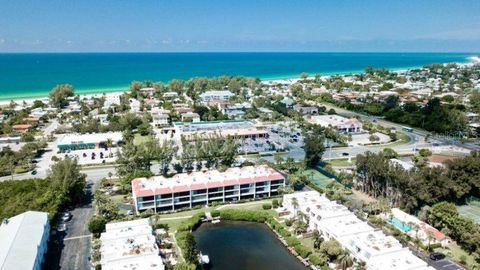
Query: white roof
(404, 260)
(345, 225)
(20, 238)
(332, 120)
(90, 138)
(130, 245)
(370, 244)
(217, 93)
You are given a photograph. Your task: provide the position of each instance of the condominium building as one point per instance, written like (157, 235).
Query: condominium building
(378, 250)
(216, 95)
(24, 241)
(186, 190)
(130, 245)
(238, 129)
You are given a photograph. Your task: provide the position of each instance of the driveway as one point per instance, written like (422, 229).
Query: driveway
(73, 247)
(445, 265)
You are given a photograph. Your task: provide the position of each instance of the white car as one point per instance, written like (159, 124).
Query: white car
(66, 216)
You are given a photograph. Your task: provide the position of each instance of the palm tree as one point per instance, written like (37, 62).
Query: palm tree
(295, 205)
(344, 261)
(360, 266)
(109, 143)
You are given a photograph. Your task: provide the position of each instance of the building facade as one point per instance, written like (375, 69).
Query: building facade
(334, 221)
(24, 241)
(186, 190)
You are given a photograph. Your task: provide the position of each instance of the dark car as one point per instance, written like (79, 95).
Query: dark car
(436, 256)
(34, 172)
(345, 154)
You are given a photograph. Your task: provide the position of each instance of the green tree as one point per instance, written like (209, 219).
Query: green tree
(66, 178)
(59, 94)
(314, 147)
(96, 225)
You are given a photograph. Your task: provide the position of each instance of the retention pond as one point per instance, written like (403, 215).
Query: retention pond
(244, 245)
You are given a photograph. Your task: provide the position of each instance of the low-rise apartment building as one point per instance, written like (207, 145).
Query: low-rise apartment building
(186, 190)
(24, 241)
(130, 245)
(216, 95)
(378, 250)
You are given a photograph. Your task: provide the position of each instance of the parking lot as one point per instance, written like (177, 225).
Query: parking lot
(445, 265)
(92, 156)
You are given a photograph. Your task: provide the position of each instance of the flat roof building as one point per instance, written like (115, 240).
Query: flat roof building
(340, 123)
(378, 250)
(88, 141)
(130, 245)
(24, 241)
(223, 95)
(186, 190)
(240, 129)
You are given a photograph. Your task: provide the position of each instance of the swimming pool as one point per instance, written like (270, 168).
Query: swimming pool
(399, 225)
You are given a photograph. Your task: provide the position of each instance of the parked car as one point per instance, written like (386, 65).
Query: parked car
(436, 256)
(66, 216)
(34, 172)
(62, 227)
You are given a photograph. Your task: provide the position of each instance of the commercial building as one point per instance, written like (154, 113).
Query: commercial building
(88, 141)
(24, 241)
(216, 95)
(239, 129)
(341, 124)
(186, 190)
(130, 245)
(378, 250)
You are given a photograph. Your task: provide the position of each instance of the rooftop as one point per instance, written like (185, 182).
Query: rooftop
(130, 245)
(21, 237)
(90, 138)
(201, 180)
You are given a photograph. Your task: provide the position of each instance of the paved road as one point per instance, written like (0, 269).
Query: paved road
(76, 242)
(419, 132)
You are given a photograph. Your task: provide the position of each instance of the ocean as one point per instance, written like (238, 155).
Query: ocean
(28, 75)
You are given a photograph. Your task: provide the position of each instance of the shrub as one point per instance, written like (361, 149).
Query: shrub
(184, 266)
(292, 241)
(243, 215)
(96, 225)
(148, 213)
(215, 213)
(317, 260)
(289, 222)
(275, 203)
(266, 206)
(186, 242)
(302, 251)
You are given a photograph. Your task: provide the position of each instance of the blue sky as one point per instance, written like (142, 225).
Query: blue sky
(247, 25)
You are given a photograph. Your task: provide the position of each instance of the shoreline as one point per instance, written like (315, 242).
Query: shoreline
(87, 93)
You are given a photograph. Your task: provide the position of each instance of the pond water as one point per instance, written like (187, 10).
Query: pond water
(244, 245)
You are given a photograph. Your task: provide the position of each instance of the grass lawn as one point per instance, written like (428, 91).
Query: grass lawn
(175, 219)
(139, 139)
(402, 138)
(454, 252)
(342, 162)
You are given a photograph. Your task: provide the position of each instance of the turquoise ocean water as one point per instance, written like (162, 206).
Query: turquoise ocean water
(25, 75)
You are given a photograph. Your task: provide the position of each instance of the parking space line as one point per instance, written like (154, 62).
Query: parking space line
(77, 237)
